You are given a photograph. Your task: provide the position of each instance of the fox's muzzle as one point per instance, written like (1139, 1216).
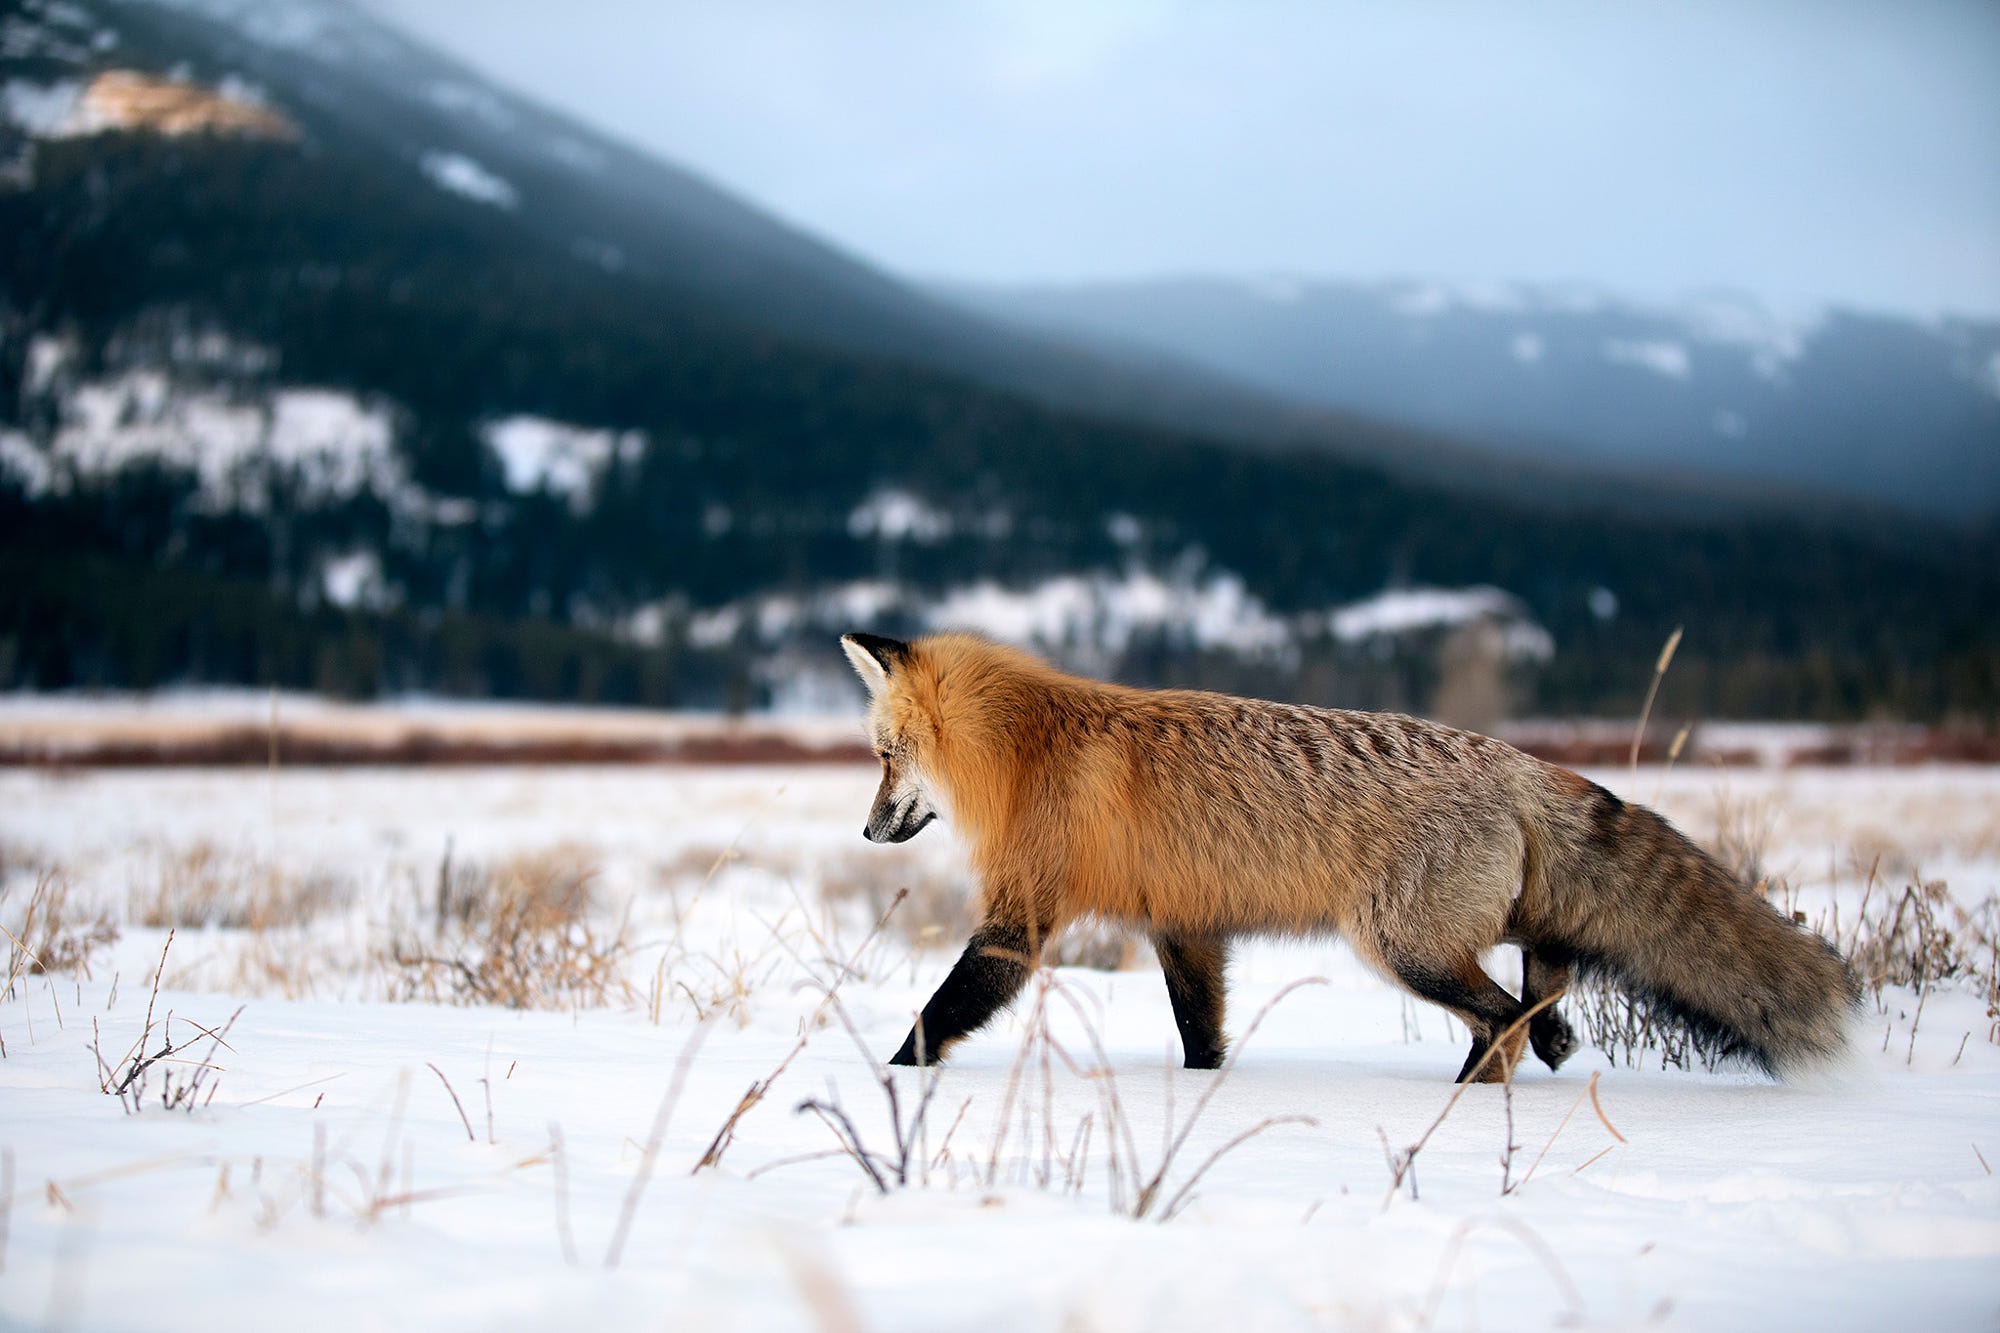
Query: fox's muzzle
(900, 811)
(897, 823)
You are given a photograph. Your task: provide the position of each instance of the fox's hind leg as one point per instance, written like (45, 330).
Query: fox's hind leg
(1193, 965)
(1476, 998)
(991, 971)
(1545, 972)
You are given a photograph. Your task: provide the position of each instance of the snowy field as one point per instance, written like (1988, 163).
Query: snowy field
(382, 1140)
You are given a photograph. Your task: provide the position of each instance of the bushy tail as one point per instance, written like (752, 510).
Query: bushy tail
(1615, 891)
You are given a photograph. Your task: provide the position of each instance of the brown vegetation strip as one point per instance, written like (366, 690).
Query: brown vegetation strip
(250, 747)
(1862, 748)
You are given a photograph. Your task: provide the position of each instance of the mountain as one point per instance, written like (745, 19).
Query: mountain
(325, 363)
(1860, 408)
(352, 82)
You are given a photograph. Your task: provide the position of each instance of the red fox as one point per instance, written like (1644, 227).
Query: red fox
(1197, 817)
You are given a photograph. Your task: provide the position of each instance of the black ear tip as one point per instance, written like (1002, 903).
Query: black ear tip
(885, 650)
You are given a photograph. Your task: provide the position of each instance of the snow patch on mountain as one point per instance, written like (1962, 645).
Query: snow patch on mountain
(326, 442)
(539, 454)
(897, 515)
(354, 581)
(1091, 620)
(328, 31)
(1399, 611)
(64, 33)
(43, 110)
(462, 176)
(1105, 615)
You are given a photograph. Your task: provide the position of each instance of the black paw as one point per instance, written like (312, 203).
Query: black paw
(1210, 1059)
(907, 1054)
(1549, 1033)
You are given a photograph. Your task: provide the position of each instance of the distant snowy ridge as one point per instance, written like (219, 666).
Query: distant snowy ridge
(1803, 404)
(1089, 620)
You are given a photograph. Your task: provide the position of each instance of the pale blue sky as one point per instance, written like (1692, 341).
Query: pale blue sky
(1804, 152)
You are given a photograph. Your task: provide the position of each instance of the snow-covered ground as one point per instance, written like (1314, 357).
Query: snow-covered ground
(372, 1160)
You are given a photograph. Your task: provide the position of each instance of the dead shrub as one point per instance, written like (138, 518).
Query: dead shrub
(184, 1083)
(1630, 1030)
(519, 935)
(1742, 832)
(938, 912)
(201, 885)
(1914, 937)
(54, 936)
(1918, 936)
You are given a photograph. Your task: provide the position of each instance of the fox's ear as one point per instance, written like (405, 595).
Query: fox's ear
(874, 657)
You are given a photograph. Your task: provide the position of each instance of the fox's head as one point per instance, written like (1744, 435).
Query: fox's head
(904, 738)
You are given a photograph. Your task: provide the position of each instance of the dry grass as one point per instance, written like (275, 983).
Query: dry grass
(937, 914)
(1053, 1154)
(518, 935)
(202, 885)
(939, 911)
(1916, 936)
(53, 935)
(154, 1067)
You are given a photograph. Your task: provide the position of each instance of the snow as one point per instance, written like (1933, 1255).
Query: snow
(1663, 357)
(1774, 340)
(332, 1177)
(462, 175)
(564, 459)
(1104, 615)
(897, 515)
(332, 443)
(1403, 610)
(23, 462)
(46, 111)
(355, 580)
(1527, 348)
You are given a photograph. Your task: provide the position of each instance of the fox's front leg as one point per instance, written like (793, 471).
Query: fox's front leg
(1193, 965)
(991, 971)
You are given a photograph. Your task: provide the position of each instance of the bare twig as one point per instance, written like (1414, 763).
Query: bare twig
(1181, 1196)
(757, 1091)
(1400, 1164)
(1149, 1193)
(470, 1137)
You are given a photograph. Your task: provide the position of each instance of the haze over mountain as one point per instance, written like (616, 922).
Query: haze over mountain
(1876, 408)
(327, 362)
